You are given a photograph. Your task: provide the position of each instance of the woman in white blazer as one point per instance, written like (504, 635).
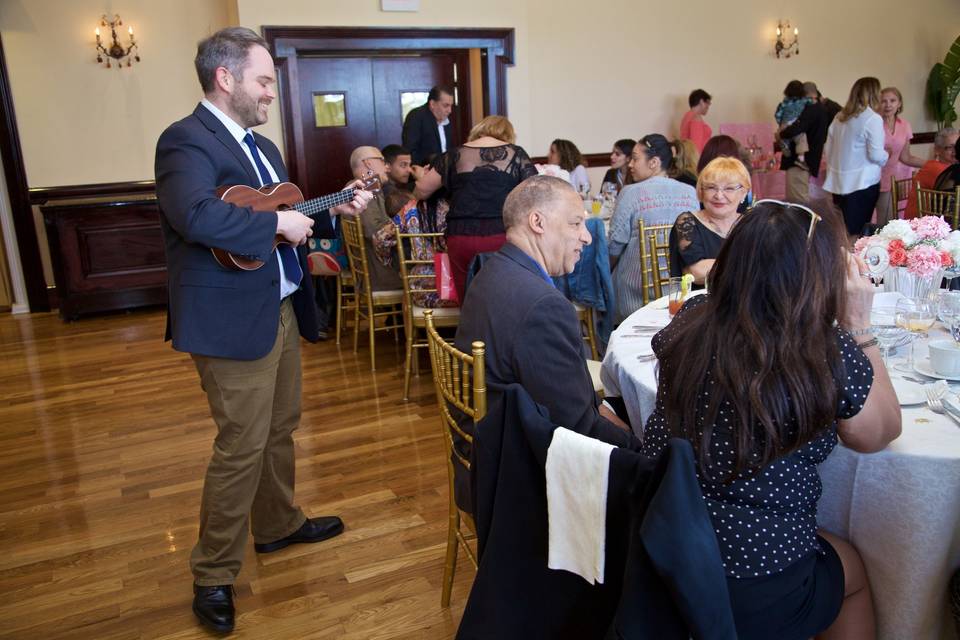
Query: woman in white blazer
(855, 155)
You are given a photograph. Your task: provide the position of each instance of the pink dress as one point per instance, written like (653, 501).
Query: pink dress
(694, 129)
(894, 143)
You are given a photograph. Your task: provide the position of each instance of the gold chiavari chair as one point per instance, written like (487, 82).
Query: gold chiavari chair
(654, 258)
(322, 265)
(346, 298)
(459, 381)
(370, 305)
(900, 191)
(585, 315)
(418, 280)
(931, 202)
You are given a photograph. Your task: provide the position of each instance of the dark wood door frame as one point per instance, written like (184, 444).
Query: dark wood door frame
(286, 43)
(16, 177)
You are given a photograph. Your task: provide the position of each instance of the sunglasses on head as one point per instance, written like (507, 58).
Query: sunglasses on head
(814, 217)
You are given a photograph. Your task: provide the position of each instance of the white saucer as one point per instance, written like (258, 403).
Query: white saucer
(909, 392)
(923, 366)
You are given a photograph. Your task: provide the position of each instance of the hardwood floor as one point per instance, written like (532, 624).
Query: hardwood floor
(104, 439)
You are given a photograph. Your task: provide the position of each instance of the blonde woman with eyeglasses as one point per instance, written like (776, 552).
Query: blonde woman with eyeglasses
(697, 236)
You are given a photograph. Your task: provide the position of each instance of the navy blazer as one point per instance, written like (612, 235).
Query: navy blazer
(214, 311)
(421, 137)
(532, 338)
(664, 577)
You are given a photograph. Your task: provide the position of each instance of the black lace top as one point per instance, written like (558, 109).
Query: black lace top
(478, 180)
(691, 241)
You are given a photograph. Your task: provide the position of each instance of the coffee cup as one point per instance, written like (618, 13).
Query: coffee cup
(945, 357)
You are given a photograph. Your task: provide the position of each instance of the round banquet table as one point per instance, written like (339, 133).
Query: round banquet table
(899, 507)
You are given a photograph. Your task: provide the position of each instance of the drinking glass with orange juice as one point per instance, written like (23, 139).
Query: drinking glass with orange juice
(677, 291)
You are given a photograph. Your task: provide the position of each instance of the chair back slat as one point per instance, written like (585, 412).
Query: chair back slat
(425, 283)
(356, 254)
(459, 381)
(654, 258)
(931, 202)
(900, 191)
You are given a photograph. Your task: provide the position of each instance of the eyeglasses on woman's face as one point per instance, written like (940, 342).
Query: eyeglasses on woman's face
(729, 191)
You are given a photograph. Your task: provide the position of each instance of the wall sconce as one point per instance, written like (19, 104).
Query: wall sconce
(784, 48)
(115, 50)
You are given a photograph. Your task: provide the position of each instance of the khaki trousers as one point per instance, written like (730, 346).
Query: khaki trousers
(250, 478)
(798, 185)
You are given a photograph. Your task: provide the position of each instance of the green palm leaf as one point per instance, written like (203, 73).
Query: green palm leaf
(943, 86)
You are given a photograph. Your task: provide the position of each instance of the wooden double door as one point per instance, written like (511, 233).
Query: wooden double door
(345, 101)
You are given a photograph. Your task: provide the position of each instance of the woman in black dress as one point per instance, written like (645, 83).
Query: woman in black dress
(697, 236)
(762, 375)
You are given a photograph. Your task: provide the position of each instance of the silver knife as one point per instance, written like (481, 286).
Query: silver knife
(952, 408)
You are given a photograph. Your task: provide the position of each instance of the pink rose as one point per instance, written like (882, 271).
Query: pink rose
(946, 259)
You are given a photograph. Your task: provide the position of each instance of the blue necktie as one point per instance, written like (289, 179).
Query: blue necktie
(288, 255)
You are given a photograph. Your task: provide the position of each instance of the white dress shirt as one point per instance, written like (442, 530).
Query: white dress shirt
(443, 135)
(855, 153)
(287, 286)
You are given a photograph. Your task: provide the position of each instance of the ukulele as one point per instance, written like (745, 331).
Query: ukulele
(279, 197)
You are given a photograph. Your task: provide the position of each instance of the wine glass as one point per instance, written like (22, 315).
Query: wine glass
(883, 324)
(949, 312)
(916, 315)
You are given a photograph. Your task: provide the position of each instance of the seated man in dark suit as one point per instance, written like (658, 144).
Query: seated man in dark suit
(530, 329)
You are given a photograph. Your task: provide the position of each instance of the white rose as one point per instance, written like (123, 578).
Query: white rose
(899, 230)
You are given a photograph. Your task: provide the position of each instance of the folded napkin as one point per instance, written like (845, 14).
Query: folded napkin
(577, 470)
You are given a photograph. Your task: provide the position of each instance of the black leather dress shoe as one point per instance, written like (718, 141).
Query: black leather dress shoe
(312, 530)
(214, 606)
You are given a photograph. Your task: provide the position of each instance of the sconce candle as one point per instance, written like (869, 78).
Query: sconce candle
(784, 48)
(115, 50)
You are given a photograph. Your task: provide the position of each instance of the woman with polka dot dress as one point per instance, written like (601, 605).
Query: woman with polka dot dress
(762, 376)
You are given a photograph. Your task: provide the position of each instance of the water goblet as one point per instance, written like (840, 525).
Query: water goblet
(916, 315)
(883, 324)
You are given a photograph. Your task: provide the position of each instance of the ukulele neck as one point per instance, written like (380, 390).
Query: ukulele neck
(316, 205)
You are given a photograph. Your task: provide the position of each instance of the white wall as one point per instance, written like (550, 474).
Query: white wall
(588, 71)
(80, 122)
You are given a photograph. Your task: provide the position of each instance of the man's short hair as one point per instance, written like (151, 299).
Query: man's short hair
(697, 95)
(536, 193)
(810, 87)
(226, 48)
(391, 151)
(360, 154)
(436, 91)
(940, 140)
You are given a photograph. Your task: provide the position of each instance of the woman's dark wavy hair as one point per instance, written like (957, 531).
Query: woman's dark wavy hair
(721, 145)
(570, 156)
(625, 145)
(763, 343)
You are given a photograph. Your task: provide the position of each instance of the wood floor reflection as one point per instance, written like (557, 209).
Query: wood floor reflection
(104, 438)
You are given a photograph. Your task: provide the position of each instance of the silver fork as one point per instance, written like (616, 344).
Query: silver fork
(934, 393)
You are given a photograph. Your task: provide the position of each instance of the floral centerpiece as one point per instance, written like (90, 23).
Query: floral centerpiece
(920, 251)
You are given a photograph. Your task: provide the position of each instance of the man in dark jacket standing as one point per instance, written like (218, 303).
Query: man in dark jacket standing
(813, 121)
(426, 130)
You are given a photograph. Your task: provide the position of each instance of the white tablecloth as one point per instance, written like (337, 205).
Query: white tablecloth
(900, 507)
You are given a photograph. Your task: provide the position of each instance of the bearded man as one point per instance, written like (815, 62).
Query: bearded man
(239, 327)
